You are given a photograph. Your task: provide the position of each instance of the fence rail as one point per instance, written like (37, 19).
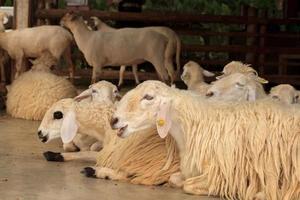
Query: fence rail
(255, 42)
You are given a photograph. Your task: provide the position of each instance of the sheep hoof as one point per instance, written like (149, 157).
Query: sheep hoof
(89, 172)
(54, 157)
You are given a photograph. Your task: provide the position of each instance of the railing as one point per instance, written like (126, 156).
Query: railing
(270, 52)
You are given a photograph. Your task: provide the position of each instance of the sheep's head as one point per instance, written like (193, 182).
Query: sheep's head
(192, 70)
(101, 91)
(235, 87)
(144, 107)
(59, 121)
(285, 93)
(3, 20)
(68, 18)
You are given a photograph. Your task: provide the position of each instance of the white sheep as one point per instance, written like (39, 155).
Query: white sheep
(32, 93)
(142, 159)
(192, 76)
(120, 47)
(285, 93)
(32, 42)
(173, 48)
(239, 67)
(236, 87)
(237, 151)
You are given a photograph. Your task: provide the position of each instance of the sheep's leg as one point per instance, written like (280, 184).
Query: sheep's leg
(89, 156)
(161, 70)
(197, 185)
(135, 73)
(176, 180)
(96, 72)
(3, 77)
(104, 173)
(19, 66)
(121, 75)
(97, 146)
(68, 58)
(170, 68)
(70, 147)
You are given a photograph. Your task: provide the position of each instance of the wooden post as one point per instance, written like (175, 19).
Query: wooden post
(22, 17)
(262, 31)
(251, 28)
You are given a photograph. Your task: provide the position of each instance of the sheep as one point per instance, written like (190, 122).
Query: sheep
(236, 87)
(285, 93)
(243, 150)
(192, 76)
(239, 67)
(173, 48)
(30, 95)
(120, 47)
(32, 42)
(142, 159)
(44, 62)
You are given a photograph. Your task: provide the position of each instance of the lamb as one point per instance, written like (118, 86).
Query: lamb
(192, 76)
(142, 159)
(120, 47)
(285, 93)
(173, 48)
(243, 150)
(236, 87)
(239, 67)
(32, 42)
(32, 94)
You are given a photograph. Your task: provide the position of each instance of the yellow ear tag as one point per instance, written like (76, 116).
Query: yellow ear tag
(161, 122)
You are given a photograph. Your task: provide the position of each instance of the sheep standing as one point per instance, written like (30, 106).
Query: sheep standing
(31, 95)
(121, 47)
(173, 48)
(32, 42)
(285, 93)
(142, 159)
(243, 150)
(192, 76)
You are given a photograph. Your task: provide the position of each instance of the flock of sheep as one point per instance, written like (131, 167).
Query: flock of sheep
(228, 138)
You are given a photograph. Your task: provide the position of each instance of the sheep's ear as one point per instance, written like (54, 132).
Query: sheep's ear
(83, 95)
(251, 96)
(69, 127)
(208, 73)
(5, 20)
(163, 120)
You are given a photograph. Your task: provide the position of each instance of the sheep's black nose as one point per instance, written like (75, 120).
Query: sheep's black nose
(40, 134)
(113, 121)
(209, 94)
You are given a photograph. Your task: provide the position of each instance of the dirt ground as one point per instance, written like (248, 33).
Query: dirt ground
(25, 175)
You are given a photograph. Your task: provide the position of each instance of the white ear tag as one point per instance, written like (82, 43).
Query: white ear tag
(163, 120)
(69, 127)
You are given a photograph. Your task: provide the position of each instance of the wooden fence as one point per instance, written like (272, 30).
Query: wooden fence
(266, 43)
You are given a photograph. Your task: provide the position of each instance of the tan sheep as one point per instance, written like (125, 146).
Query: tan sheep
(245, 150)
(32, 42)
(236, 87)
(285, 93)
(192, 76)
(173, 48)
(32, 94)
(120, 47)
(142, 159)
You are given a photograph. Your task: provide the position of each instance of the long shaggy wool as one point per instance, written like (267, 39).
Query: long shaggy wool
(148, 159)
(238, 151)
(31, 95)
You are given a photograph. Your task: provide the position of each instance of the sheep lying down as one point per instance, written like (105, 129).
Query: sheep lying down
(142, 159)
(243, 150)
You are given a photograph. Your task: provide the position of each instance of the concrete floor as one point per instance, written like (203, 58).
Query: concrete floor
(25, 175)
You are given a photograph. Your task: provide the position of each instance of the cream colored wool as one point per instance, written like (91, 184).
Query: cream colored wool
(31, 95)
(233, 150)
(145, 158)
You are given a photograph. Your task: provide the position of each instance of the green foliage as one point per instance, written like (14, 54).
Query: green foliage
(8, 3)
(98, 4)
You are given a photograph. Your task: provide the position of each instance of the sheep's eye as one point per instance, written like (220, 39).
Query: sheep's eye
(148, 97)
(94, 91)
(275, 97)
(239, 85)
(57, 115)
